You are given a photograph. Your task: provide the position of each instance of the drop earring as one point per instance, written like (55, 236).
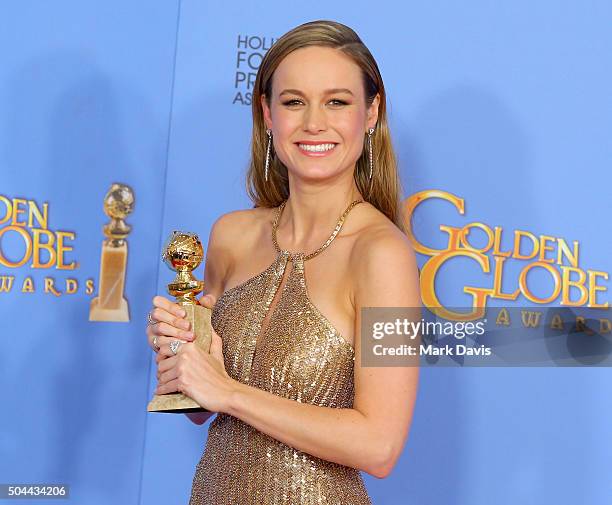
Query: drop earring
(269, 132)
(370, 132)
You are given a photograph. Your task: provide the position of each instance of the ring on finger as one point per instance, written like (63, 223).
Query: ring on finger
(155, 344)
(150, 319)
(174, 346)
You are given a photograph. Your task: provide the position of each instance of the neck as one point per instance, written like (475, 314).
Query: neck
(311, 212)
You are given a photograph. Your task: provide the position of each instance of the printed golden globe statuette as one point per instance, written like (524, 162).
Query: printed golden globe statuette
(183, 252)
(110, 305)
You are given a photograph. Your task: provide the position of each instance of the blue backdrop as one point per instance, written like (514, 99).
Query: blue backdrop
(506, 105)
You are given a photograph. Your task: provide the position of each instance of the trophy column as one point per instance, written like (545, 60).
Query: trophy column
(183, 252)
(110, 304)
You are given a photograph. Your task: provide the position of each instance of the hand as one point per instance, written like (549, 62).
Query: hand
(197, 374)
(169, 325)
(208, 301)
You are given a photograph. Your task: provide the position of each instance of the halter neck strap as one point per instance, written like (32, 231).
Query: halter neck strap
(337, 229)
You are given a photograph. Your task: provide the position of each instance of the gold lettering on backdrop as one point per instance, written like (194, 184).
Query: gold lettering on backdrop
(71, 286)
(535, 319)
(28, 224)
(553, 257)
(50, 286)
(503, 318)
(26, 240)
(6, 283)
(582, 327)
(556, 323)
(28, 285)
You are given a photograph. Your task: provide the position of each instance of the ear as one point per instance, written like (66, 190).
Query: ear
(373, 112)
(267, 115)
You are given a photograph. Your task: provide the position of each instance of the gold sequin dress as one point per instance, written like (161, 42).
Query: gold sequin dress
(301, 356)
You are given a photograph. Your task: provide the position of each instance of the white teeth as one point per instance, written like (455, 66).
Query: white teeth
(319, 148)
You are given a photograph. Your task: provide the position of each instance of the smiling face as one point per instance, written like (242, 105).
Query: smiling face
(318, 112)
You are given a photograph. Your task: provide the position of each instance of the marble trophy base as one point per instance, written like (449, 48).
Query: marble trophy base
(178, 403)
(119, 315)
(110, 305)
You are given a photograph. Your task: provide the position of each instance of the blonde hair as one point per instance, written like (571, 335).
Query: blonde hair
(384, 191)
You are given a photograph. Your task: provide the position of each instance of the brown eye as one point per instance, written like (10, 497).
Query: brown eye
(338, 102)
(291, 102)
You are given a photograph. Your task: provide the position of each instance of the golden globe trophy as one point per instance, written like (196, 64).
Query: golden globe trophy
(110, 304)
(183, 252)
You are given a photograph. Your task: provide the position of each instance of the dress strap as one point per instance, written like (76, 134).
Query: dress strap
(337, 229)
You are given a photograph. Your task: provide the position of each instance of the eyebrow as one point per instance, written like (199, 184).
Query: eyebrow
(327, 91)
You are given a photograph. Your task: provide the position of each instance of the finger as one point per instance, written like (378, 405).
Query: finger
(169, 387)
(167, 363)
(168, 317)
(216, 345)
(164, 346)
(208, 301)
(165, 330)
(151, 335)
(167, 352)
(166, 304)
(165, 341)
(167, 376)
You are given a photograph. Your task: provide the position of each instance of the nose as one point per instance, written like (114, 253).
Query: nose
(315, 119)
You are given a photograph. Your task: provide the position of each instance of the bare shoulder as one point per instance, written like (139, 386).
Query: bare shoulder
(233, 235)
(377, 237)
(236, 231)
(383, 262)
(238, 225)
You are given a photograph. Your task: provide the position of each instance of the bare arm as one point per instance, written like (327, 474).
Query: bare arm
(379, 421)
(215, 267)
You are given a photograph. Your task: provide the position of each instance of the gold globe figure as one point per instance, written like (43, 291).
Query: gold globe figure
(118, 204)
(183, 252)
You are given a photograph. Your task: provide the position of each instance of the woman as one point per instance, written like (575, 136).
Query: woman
(298, 416)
